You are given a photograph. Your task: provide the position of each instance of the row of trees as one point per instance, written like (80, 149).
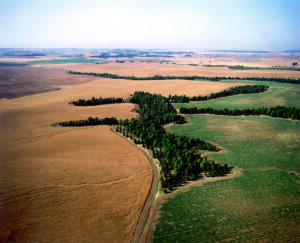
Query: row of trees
(90, 122)
(194, 77)
(241, 67)
(179, 156)
(247, 89)
(278, 111)
(97, 101)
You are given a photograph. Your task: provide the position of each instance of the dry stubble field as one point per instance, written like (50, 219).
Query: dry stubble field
(74, 184)
(151, 69)
(67, 185)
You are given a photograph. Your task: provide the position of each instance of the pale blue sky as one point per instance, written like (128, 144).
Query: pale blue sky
(187, 24)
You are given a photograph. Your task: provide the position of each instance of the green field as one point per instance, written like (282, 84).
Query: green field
(263, 203)
(249, 142)
(54, 61)
(282, 94)
(259, 206)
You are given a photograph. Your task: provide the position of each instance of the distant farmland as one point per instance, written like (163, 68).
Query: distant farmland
(88, 184)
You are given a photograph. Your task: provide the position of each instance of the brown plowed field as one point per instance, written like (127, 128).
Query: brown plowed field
(151, 69)
(20, 81)
(74, 184)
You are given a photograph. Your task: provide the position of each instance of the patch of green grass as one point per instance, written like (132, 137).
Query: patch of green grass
(67, 60)
(269, 83)
(9, 64)
(282, 94)
(54, 61)
(258, 206)
(250, 142)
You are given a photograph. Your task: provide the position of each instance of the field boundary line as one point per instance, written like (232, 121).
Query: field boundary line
(152, 194)
(150, 212)
(259, 116)
(154, 214)
(241, 84)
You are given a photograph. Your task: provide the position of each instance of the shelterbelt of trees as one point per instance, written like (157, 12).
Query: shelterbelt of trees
(241, 67)
(179, 156)
(195, 77)
(90, 122)
(97, 101)
(278, 111)
(247, 89)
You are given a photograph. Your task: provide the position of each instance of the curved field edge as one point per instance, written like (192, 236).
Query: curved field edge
(156, 196)
(154, 191)
(278, 94)
(249, 142)
(266, 194)
(158, 203)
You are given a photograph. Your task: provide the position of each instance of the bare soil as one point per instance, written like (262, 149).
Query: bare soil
(20, 81)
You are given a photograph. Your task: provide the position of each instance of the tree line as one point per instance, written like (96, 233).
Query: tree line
(241, 67)
(247, 89)
(97, 101)
(179, 156)
(90, 122)
(194, 77)
(278, 111)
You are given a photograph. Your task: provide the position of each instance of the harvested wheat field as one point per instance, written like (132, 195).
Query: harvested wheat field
(67, 185)
(123, 88)
(75, 184)
(151, 69)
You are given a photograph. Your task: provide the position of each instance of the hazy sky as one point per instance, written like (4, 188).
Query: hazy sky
(187, 24)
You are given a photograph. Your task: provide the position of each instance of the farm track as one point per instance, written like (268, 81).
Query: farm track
(140, 227)
(152, 205)
(150, 212)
